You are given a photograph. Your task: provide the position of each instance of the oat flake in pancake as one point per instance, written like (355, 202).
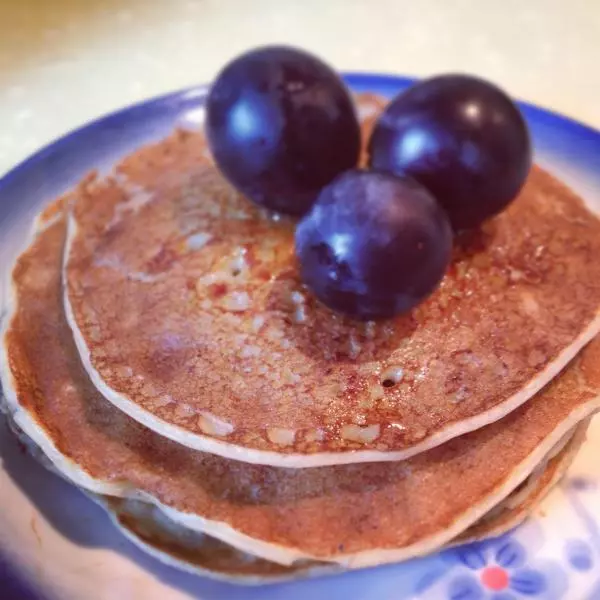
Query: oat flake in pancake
(149, 528)
(187, 311)
(355, 515)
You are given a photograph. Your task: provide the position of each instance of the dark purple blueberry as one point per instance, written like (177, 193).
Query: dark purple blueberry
(281, 125)
(462, 138)
(373, 245)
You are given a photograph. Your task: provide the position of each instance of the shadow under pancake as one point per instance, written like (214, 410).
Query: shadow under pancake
(50, 494)
(83, 522)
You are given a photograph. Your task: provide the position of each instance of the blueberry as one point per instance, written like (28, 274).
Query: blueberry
(462, 138)
(373, 245)
(281, 125)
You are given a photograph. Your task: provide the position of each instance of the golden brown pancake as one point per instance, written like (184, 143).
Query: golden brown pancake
(188, 313)
(195, 552)
(201, 554)
(356, 515)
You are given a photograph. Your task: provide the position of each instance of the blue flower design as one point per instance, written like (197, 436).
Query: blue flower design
(579, 554)
(496, 571)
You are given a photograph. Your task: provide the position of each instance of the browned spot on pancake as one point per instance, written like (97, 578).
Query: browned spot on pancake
(257, 351)
(315, 511)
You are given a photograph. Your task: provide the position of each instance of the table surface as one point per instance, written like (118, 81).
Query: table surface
(63, 62)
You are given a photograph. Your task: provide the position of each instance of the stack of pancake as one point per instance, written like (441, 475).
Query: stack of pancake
(160, 352)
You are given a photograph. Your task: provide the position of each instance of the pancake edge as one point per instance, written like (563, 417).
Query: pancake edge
(520, 513)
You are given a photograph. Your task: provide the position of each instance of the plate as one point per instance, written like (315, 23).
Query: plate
(56, 541)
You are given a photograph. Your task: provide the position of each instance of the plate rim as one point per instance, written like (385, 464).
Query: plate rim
(192, 95)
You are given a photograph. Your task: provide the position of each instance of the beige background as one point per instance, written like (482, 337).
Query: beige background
(63, 62)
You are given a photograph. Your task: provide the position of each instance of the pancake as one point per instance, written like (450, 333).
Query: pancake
(187, 311)
(354, 515)
(200, 554)
(195, 552)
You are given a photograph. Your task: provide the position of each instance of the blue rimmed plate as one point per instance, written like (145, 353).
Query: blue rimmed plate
(58, 542)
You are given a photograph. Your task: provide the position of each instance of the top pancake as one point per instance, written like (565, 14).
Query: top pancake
(187, 310)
